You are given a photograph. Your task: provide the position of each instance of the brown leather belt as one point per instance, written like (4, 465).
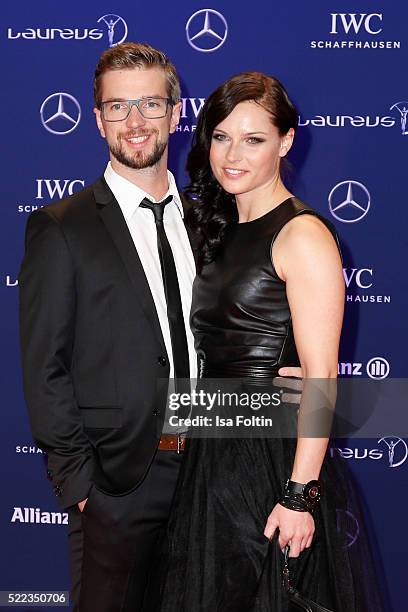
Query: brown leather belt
(172, 442)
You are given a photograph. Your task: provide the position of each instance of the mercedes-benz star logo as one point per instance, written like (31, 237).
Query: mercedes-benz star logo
(392, 442)
(349, 201)
(402, 107)
(204, 33)
(111, 21)
(60, 113)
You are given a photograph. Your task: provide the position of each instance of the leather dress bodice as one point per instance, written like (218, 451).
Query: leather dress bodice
(240, 314)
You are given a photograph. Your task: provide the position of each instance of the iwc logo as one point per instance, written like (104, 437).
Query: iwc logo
(360, 285)
(355, 31)
(49, 188)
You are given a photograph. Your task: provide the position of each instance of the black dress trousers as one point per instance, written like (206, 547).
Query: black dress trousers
(115, 539)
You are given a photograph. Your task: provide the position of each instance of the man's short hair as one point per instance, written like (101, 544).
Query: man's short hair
(136, 55)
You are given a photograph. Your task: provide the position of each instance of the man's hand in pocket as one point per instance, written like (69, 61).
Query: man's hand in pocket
(81, 504)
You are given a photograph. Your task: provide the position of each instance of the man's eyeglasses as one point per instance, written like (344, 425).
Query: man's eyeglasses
(150, 108)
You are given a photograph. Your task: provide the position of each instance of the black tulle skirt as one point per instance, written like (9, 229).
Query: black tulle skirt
(215, 556)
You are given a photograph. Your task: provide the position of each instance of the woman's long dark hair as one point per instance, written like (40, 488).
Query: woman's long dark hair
(214, 208)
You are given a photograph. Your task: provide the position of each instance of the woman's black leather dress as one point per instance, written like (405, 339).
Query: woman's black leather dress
(217, 558)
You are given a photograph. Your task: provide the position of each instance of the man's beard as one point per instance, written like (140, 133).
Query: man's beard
(138, 160)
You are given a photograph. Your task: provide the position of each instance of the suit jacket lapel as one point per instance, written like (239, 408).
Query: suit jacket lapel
(111, 215)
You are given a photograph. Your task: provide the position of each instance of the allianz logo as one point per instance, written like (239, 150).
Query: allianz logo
(376, 368)
(350, 369)
(337, 121)
(38, 516)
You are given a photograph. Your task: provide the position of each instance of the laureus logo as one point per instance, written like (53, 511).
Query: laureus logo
(397, 450)
(117, 29)
(398, 119)
(114, 25)
(393, 448)
(402, 109)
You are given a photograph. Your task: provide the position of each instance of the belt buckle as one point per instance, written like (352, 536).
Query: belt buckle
(179, 443)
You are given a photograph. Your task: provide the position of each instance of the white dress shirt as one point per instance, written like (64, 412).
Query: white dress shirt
(142, 228)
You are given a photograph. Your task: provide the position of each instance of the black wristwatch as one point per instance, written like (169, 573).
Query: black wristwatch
(311, 491)
(301, 497)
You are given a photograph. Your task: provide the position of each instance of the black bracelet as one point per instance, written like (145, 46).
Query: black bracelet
(301, 497)
(293, 502)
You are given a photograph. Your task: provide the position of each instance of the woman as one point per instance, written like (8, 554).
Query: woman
(269, 293)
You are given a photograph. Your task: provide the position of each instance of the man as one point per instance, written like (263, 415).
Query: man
(96, 338)
(104, 317)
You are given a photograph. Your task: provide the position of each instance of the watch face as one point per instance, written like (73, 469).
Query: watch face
(312, 490)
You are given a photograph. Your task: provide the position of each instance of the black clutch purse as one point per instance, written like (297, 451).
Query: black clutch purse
(297, 602)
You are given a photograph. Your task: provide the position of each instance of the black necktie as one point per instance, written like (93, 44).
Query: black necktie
(172, 293)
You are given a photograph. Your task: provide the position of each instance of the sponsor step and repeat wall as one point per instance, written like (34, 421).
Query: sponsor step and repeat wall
(344, 64)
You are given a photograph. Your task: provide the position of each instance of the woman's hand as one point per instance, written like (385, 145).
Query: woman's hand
(295, 529)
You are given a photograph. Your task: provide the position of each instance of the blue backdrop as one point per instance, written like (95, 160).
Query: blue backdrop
(343, 64)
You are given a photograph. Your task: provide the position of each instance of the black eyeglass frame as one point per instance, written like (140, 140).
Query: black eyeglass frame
(136, 103)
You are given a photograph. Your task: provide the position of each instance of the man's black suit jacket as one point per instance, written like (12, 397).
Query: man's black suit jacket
(92, 348)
